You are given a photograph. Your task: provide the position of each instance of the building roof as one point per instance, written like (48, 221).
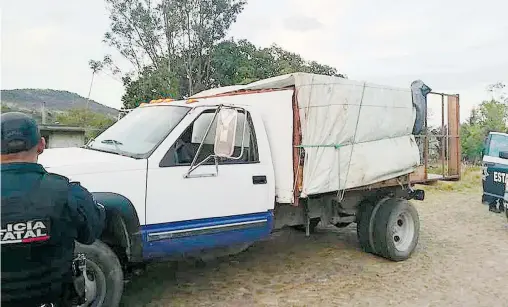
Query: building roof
(61, 128)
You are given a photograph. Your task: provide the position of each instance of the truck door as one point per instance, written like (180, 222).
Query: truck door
(495, 168)
(221, 204)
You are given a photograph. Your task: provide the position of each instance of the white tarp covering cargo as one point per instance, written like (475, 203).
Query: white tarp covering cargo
(353, 133)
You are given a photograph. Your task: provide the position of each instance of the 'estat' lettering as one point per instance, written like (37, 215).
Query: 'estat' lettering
(500, 177)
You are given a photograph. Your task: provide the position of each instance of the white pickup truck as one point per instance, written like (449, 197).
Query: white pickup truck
(218, 172)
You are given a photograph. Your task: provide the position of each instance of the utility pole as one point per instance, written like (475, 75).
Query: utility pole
(90, 89)
(95, 66)
(43, 112)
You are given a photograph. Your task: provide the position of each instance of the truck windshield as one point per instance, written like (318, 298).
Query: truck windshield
(138, 133)
(498, 143)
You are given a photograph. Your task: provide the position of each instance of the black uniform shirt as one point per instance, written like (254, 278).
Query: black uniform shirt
(84, 219)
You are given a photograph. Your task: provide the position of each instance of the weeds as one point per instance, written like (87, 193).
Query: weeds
(470, 181)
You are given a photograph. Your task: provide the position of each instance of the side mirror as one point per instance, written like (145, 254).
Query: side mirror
(225, 133)
(503, 154)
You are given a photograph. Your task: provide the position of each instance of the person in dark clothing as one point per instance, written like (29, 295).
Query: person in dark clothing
(42, 216)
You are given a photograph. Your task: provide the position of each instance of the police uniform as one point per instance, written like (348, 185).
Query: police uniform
(42, 216)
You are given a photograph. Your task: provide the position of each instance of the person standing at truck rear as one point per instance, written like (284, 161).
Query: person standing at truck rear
(42, 216)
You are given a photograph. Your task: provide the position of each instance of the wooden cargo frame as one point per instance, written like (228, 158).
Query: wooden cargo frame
(450, 155)
(450, 149)
(450, 144)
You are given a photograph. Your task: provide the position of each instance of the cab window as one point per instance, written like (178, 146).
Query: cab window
(497, 144)
(186, 147)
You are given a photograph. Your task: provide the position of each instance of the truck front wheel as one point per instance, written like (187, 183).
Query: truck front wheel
(104, 278)
(396, 228)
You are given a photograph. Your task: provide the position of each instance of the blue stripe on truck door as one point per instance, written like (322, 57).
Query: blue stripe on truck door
(172, 239)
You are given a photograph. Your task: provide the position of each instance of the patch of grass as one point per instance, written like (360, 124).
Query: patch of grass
(470, 181)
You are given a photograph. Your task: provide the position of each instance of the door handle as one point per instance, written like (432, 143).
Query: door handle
(259, 179)
(489, 163)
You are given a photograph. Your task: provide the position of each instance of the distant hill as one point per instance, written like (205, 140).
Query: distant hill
(30, 101)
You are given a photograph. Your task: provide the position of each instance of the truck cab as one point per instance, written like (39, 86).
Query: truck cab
(177, 180)
(495, 169)
(185, 196)
(220, 183)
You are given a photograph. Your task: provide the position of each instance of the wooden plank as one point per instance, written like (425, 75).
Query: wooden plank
(443, 139)
(245, 92)
(297, 162)
(384, 184)
(453, 132)
(419, 174)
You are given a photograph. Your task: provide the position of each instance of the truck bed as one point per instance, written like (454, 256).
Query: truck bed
(341, 133)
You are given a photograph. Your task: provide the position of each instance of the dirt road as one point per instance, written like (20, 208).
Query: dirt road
(461, 260)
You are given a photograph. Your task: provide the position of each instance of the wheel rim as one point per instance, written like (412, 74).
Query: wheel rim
(95, 285)
(403, 231)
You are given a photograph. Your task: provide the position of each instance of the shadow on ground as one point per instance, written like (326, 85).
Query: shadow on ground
(461, 260)
(287, 251)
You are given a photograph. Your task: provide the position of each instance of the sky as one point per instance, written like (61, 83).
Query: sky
(452, 46)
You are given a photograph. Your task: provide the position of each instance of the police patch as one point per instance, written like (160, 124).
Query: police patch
(25, 232)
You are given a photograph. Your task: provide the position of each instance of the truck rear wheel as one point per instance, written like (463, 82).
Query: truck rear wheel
(395, 231)
(104, 275)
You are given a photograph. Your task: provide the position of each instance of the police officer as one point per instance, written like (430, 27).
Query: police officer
(42, 216)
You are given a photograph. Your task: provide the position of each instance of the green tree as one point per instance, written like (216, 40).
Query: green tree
(204, 23)
(170, 36)
(288, 62)
(239, 63)
(472, 138)
(177, 48)
(94, 123)
(232, 62)
(490, 116)
(151, 84)
(5, 108)
(242, 62)
(498, 92)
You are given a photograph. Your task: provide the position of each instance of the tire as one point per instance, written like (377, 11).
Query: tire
(105, 269)
(396, 229)
(312, 225)
(363, 228)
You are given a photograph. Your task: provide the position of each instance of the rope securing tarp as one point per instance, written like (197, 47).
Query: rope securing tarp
(336, 146)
